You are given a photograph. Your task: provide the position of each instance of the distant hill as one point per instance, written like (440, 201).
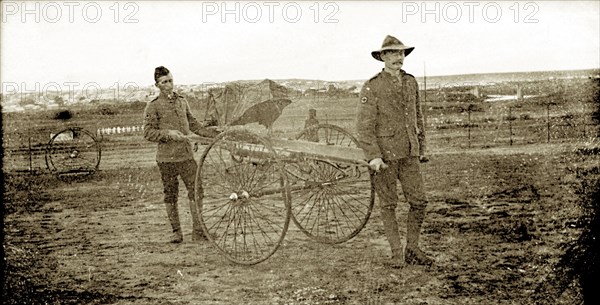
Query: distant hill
(33, 101)
(455, 80)
(490, 78)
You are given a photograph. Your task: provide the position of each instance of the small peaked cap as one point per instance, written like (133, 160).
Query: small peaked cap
(391, 43)
(160, 71)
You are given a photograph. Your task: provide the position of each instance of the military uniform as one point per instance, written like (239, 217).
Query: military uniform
(163, 114)
(390, 119)
(311, 134)
(174, 157)
(390, 126)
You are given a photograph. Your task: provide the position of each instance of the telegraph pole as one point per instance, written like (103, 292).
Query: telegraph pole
(424, 84)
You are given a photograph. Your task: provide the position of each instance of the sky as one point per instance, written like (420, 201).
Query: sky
(71, 44)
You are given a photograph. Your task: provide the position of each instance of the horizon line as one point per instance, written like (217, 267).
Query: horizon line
(362, 80)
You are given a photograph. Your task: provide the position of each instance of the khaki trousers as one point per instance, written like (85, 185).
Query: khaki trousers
(169, 171)
(408, 172)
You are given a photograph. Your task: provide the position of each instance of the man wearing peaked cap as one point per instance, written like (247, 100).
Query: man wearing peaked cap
(167, 121)
(390, 130)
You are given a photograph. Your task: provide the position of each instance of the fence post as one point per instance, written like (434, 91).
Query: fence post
(510, 119)
(469, 126)
(30, 158)
(548, 121)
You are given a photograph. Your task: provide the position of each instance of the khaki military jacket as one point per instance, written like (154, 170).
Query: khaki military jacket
(163, 114)
(390, 123)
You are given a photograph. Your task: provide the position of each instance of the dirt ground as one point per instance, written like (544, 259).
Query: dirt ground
(498, 222)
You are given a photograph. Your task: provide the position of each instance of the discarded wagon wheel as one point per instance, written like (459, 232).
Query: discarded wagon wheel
(73, 152)
(331, 201)
(241, 191)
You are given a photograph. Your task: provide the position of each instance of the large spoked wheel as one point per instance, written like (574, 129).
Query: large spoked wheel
(241, 191)
(73, 152)
(331, 202)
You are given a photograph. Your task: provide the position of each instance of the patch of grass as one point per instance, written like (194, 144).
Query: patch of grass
(581, 261)
(25, 192)
(525, 116)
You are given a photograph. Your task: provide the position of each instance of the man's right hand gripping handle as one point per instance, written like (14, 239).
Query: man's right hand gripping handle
(377, 164)
(176, 135)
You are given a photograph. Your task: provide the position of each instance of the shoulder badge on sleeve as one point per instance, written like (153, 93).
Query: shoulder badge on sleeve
(366, 90)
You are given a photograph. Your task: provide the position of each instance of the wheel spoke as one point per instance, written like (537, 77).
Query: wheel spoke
(73, 151)
(243, 211)
(337, 203)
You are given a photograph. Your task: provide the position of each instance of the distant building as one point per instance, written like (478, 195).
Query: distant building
(475, 91)
(519, 96)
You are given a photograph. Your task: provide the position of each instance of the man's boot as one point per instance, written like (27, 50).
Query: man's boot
(390, 226)
(414, 255)
(173, 215)
(197, 233)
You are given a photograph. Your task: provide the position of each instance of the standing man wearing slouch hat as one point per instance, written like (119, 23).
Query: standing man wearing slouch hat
(167, 121)
(391, 132)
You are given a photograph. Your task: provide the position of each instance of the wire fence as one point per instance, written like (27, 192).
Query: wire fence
(511, 127)
(468, 127)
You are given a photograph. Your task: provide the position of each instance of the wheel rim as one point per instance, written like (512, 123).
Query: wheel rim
(243, 202)
(331, 202)
(73, 152)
